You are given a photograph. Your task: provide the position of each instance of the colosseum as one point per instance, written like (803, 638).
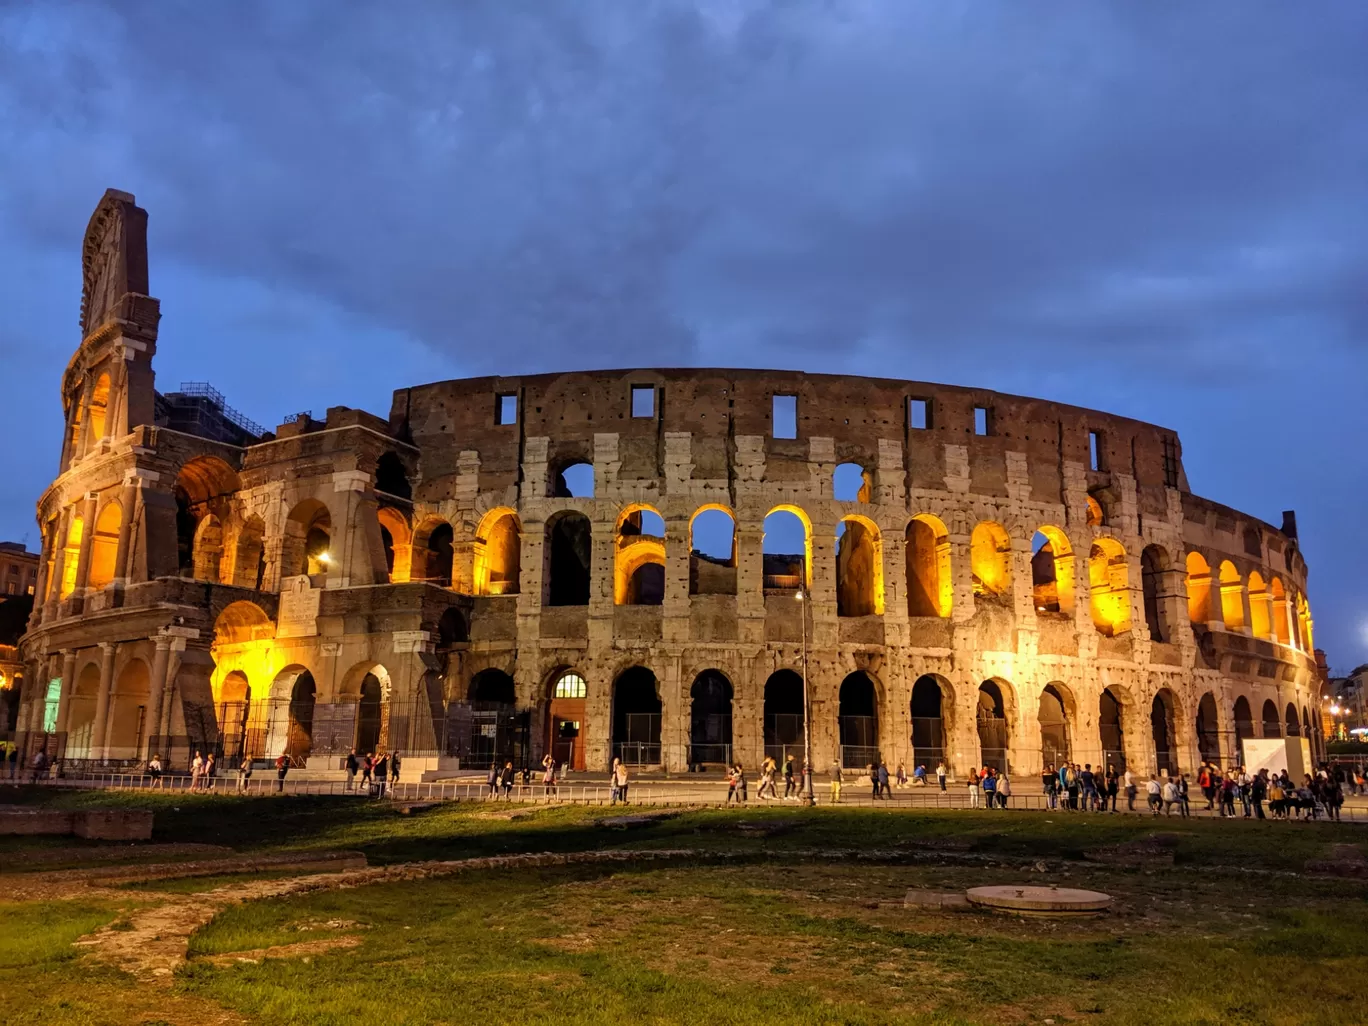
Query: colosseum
(641, 563)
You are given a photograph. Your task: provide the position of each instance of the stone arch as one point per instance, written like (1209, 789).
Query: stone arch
(784, 568)
(994, 730)
(207, 549)
(1109, 587)
(1198, 588)
(498, 553)
(710, 719)
(932, 708)
(104, 546)
(1270, 723)
(307, 541)
(1244, 720)
(783, 715)
(712, 551)
(858, 720)
(1113, 706)
(71, 555)
(859, 568)
(1056, 707)
(242, 621)
(571, 478)
(290, 714)
(990, 557)
(396, 538)
(851, 482)
(1292, 722)
(639, 557)
(434, 552)
(1208, 729)
(452, 629)
(392, 477)
(1232, 596)
(1165, 713)
(128, 705)
(80, 716)
(1052, 570)
(567, 692)
(1154, 562)
(249, 554)
(1260, 616)
(569, 551)
(1095, 516)
(636, 717)
(203, 485)
(492, 686)
(1278, 599)
(930, 588)
(99, 411)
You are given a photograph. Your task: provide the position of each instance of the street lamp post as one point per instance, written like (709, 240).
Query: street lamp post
(807, 706)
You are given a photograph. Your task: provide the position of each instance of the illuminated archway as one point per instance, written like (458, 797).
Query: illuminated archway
(71, 556)
(1280, 613)
(712, 551)
(1232, 596)
(930, 589)
(498, 553)
(104, 546)
(990, 557)
(306, 546)
(994, 734)
(1053, 716)
(1109, 586)
(1052, 571)
(787, 549)
(99, 410)
(1260, 618)
(859, 568)
(249, 555)
(1198, 588)
(208, 549)
(128, 705)
(397, 540)
(639, 558)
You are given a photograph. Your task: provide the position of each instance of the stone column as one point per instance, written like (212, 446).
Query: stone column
(156, 687)
(101, 727)
(129, 499)
(58, 565)
(68, 685)
(87, 539)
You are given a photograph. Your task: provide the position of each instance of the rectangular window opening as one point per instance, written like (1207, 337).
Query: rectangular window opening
(1094, 450)
(643, 401)
(785, 416)
(1170, 463)
(919, 414)
(507, 409)
(983, 422)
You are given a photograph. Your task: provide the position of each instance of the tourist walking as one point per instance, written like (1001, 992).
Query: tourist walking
(873, 772)
(393, 769)
(506, 780)
(282, 767)
(210, 771)
(1258, 792)
(492, 780)
(742, 785)
(244, 774)
(882, 777)
(1228, 796)
(353, 764)
(766, 789)
(1245, 783)
(837, 778)
(790, 787)
(380, 775)
(900, 779)
(1131, 790)
(154, 769)
(973, 788)
(1113, 787)
(731, 784)
(367, 772)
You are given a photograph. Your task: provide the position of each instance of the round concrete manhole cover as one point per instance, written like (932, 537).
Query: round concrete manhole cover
(1040, 901)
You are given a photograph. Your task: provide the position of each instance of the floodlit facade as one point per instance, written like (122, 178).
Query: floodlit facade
(605, 563)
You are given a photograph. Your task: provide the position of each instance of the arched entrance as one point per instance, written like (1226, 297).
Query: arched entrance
(1054, 727)
(784, 715)
(857, 721)
(1208, 735)
(128, 711)
(992, 727)
(234, 717)
(299, 738)
(492, 698)
(1110, 729)
(565, 720)
(1271, 727)
(1162, 720)
(1293, 724)
(368, 715)
(636, 718)
(710, 719)
(929, 696)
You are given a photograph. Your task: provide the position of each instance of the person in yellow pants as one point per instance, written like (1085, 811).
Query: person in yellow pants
(835, 781)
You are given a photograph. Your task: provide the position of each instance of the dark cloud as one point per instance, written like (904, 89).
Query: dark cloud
(1156, 209)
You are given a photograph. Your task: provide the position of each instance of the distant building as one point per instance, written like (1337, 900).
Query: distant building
(18, 569)
(14, 614)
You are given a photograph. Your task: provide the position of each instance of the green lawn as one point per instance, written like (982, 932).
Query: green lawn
(754, 929)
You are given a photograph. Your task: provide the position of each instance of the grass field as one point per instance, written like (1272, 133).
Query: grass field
(773, 919)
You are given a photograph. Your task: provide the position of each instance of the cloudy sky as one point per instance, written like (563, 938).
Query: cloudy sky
(1159, 210)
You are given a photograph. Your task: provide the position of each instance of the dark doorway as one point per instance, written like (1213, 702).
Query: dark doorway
(784, 716)
(300, 740)
(368, 715)
(1109, 725)
(571, 543)
(928, 725)
(1161, 725)
(858, 722)
(636, 718)
(992, 727)
(710, 720)
(1054, 727)
(1208, 737)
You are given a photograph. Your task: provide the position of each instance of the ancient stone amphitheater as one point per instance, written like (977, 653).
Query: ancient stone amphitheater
(643, 563)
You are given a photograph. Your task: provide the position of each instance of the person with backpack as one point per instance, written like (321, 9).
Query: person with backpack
(244, 774)
(368, 773)
(990, 788)
(880, 782)
(731, 785)
(790, 786)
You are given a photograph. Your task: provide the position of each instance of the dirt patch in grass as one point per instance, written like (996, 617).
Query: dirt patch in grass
(301, 949)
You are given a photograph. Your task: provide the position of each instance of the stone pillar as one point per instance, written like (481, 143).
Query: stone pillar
(156, 686)
(68, 685)
(58, 565)
(101, 727)
(87, 540)
(962, 574)
(129, 499)
(674, 717)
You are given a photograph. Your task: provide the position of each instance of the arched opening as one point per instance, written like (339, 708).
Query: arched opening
(1095, 516)
(858, 721)
(391, 477)
(1280, 611)
(307, 541)
(930, 696)
(1208, 729)
(498, 553)
(784, 715)
(439, 555)
(573, 481)
(712, 552)
(1269, 715)
(859, 568)
(992, 727)
(565, 720)
(568, 550)
(1293, 724)
(234, 718)
(80, 723)
(369, 715)
(492, 694)
(299, 740)
(1109, 724)
(1109, 584)
(1260, 617)
(1052, 571)
(1244, 722)
(852, 483)
(452, 629)
(1163, 718)
(1232, 597)
(636, 718)
(990, 557)
(249, 558)
(1198, 588)
(930, 590)
(99, 410)
(202, 488)
(1153, 562)
(786, 550)
(639, 558)
(397, 541)
(1054, 726)
(710, 719)
(104, 547)
(1304, 636)
(128, 710)
(71, 556)
(208, 549)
